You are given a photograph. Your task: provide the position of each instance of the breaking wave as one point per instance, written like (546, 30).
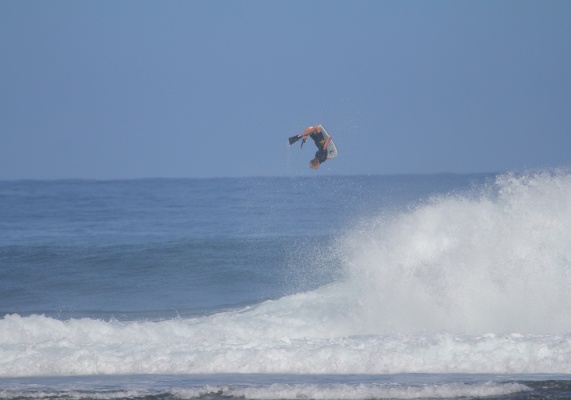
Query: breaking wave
(473, 282)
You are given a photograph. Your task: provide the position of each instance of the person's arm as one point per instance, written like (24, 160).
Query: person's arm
(310, 130)
(304, 135)
(326, 143)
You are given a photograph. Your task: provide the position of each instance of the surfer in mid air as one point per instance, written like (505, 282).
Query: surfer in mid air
(325, 147)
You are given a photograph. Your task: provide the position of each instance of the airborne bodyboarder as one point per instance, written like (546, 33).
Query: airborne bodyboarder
(321, 139)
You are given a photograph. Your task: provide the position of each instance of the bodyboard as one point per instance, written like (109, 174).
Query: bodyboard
(331, 148)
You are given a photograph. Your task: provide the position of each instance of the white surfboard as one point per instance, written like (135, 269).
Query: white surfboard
(331, 148)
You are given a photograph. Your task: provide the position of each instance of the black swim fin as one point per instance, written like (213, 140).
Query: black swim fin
(293, 139)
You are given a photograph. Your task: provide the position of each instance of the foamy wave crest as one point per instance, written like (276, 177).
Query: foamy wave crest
(243, 343)
(498, 260)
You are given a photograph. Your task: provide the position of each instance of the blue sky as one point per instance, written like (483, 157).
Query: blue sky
(133, 89)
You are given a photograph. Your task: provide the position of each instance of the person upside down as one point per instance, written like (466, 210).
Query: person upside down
(315, 133)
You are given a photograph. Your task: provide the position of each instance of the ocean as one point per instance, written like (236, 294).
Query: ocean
(355, 287)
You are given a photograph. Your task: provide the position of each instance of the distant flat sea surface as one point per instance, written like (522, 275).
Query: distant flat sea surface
(366, 287)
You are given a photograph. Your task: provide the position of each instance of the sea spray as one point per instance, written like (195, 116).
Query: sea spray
(493, 260)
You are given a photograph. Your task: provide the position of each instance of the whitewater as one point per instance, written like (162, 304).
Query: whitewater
(473, 281)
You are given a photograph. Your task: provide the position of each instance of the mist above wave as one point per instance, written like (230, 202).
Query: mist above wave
(496, 259)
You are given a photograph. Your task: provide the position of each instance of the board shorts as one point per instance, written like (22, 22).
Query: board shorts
(321, 155)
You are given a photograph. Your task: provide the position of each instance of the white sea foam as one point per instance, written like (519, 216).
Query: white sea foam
(295, 391)
(235, 342)
(439, 289)
(356, 392)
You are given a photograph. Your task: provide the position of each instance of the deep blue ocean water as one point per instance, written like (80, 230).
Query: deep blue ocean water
(400, 287)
